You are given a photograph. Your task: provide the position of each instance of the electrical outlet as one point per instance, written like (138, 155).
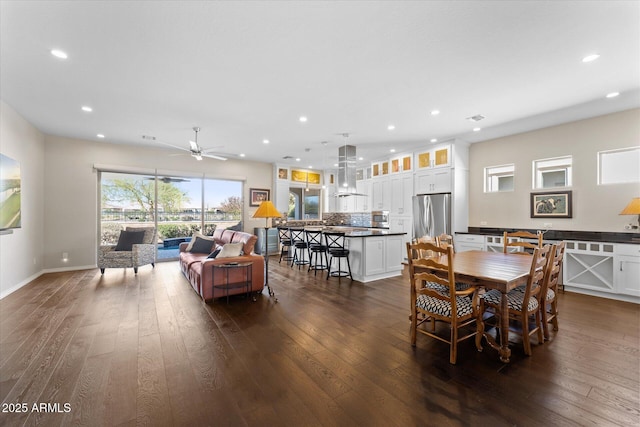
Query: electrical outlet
(548, 224)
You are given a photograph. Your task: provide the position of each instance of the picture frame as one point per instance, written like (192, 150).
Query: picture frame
(258, 195)
(283, 173)
(551, 204)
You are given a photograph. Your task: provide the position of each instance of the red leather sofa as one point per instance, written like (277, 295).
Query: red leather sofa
(198, 269)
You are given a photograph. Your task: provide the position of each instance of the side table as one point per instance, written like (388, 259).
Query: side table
(248, 276)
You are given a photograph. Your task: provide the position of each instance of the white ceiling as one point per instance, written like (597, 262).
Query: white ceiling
(246, 71)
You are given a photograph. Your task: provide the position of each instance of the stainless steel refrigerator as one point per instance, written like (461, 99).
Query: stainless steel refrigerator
(431, 214)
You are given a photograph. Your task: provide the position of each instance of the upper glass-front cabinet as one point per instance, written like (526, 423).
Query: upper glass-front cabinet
(434, 158)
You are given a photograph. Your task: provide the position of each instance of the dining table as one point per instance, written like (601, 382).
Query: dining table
(493, 270)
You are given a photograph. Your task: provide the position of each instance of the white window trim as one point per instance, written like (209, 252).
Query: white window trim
(553, 164)
(506, 172)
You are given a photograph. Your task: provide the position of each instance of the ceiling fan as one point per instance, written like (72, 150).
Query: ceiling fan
(167, 179)
(196, 150)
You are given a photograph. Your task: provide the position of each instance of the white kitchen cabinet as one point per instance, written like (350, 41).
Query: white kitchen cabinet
(402, 224)
(589, 266)
(627, 269)
(432, 181)
(346, 204)
(401, 189)
(380, 194)
(435, 157)
(363, 203)
(469, 242)
(375, 255)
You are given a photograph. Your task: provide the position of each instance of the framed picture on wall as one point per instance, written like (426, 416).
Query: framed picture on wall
(257, 196)
(552, 204)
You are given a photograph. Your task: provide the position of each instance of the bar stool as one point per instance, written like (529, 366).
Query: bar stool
(284, 237)
(316, 250)
(336, 249)
(301, 247)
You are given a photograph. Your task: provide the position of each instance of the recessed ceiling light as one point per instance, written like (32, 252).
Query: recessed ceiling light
(434, 139)
(59, 53)
(100, 135)
(361, 158)
(590, 58)
(265, 141)
(335, 165)
(477, 129)
(613, 94)
(303, 119)
(87, 109)
(241, 154)
(393, 150)
(310, 167)
(435, 112)
(297, 159)
(391, 127)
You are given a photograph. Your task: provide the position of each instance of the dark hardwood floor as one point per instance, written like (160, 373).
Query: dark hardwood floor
(122, 349)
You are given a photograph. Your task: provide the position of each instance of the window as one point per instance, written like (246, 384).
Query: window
(173, 204)
(552, 173)
(619, 166)
(304, 204)
(498, 178)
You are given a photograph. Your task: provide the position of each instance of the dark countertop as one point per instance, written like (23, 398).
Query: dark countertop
(362, 232)
(589, 236)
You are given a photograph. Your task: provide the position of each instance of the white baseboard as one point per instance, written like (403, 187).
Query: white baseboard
(21, 284)
(40, 273)
(77, 267)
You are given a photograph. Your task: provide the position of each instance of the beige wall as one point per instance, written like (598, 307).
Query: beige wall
(595, 208)
(71, 190)
(21, 251)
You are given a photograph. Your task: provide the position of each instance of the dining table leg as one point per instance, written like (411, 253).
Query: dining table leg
(505, 351)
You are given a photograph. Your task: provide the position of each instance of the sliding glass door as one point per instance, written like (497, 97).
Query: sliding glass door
(176, 206)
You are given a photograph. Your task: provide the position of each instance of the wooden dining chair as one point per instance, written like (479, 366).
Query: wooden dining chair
(444, 240)
(434, 297)
(508, 241)
(523, 305)
(549, 298)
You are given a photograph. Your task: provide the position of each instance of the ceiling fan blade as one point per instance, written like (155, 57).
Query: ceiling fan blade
(211, 149)
(194, 146)
(172, 146)
(213, 156)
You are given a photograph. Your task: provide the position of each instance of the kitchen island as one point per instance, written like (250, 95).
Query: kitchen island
(373, 253)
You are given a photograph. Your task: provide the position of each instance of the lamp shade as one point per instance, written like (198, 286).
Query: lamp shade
(267, 210)
(633, 208)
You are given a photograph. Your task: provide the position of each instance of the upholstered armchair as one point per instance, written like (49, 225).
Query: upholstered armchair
(136, 247)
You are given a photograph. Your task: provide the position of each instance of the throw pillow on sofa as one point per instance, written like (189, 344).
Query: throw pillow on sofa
(127, 239)
(230, 250)
(215, 252)
(202, 245)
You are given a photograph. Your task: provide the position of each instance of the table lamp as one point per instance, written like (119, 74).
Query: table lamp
(266, 210)
(633, 208)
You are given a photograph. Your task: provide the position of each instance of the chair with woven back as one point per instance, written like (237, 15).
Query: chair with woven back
(512, 240)
(524, 302)
(549, 299)
(434, 297)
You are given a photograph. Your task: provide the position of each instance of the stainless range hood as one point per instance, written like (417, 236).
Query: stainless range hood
(347, 172)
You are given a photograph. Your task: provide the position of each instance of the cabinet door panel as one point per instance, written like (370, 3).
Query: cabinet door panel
(628, 274)
(374, 255)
